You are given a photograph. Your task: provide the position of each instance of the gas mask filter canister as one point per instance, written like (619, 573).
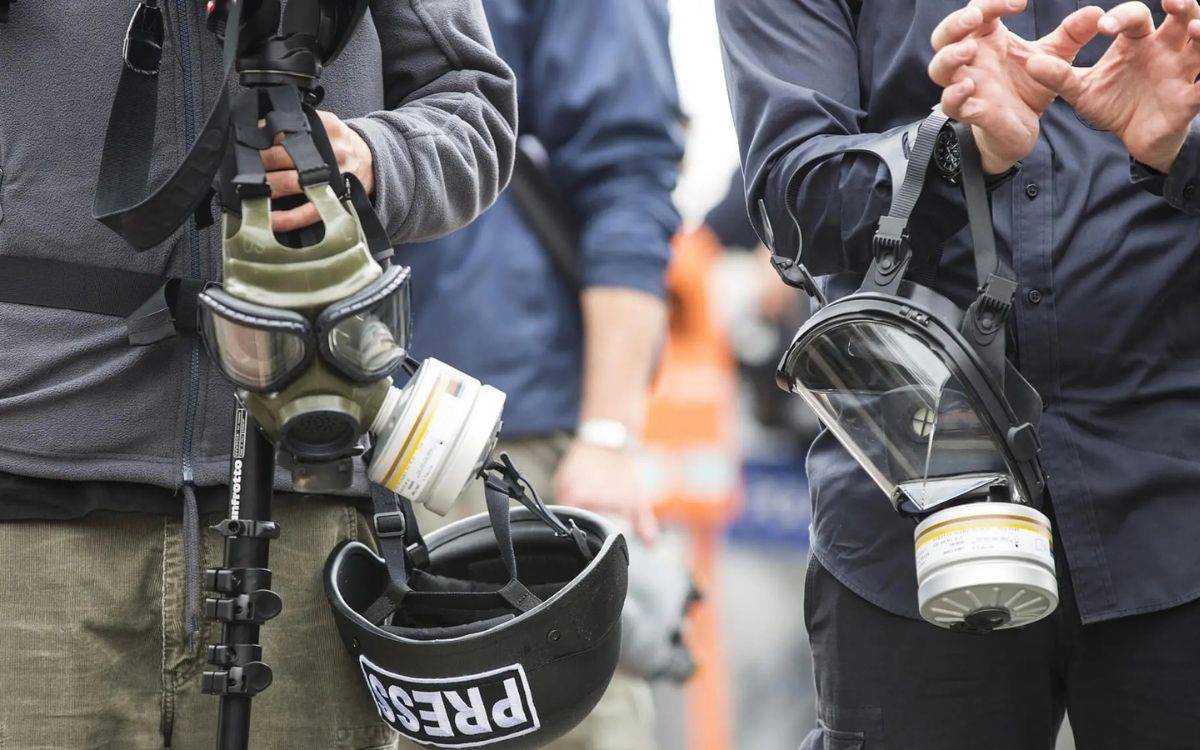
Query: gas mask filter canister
(919, 392)
(432, 437)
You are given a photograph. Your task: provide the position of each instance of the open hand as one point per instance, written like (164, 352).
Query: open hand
(606, 481)
(982, 67)
(353, 156)
(1143, 89)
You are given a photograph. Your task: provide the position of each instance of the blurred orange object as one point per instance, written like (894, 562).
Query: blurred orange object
(691, 443)
(693, 464)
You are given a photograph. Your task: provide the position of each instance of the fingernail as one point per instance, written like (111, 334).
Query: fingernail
(1014, 4)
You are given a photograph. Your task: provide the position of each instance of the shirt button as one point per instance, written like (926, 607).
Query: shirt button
(1189, 190)
(1032, 191)
(1034, 296)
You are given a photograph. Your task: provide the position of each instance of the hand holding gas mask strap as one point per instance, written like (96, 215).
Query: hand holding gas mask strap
(920, 393)
(308, 325)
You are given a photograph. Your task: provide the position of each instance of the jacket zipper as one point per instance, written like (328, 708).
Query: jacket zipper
(183, 24)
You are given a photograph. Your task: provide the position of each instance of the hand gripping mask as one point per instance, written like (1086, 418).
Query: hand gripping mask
(311, 333)
(921, 394)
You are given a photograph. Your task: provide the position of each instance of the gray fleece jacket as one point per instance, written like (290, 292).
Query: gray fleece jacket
(420, 81)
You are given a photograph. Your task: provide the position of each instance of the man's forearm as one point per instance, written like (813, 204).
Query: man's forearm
(623, 335)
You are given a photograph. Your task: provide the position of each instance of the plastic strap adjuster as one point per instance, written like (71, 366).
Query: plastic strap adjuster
(390, 525)
(143, 46)
(892, 233)
(995, 302)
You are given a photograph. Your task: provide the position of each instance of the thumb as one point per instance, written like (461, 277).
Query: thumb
(1057, 75)
(646, 524)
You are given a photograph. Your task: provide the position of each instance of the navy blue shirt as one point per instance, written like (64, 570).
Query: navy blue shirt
(1107, 323)
(597, 90)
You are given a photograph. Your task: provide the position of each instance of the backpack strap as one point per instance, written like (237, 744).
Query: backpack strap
(154, 307)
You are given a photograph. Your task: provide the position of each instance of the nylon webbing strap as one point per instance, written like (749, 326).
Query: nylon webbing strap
(124, 201)
(979, 213)
(891, 242)
(514, 592)
(395, 527)
(905, 199)
(986, 318)
(154, 307)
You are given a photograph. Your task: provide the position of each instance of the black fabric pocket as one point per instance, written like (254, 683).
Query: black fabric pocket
(809, 598)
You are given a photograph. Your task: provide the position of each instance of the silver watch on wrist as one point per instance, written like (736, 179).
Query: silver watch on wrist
(605, 433)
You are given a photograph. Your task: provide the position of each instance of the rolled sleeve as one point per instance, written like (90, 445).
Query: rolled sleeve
(1181, 186)
(601, 98)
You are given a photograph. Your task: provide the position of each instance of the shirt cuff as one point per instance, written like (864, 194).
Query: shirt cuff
(1181, 186)
(642, 274)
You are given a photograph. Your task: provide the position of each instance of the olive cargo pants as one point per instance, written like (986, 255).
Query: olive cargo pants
(94, 654)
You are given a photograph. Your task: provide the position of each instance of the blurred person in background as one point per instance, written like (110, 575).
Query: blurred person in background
(767, 549)
(573, 341)
(1101, 233)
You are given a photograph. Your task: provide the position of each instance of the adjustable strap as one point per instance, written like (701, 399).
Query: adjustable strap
(401, 543)
(892, 148)
(892, 251)
(402, 546)
(4, 10)
(154, 307)
(123, 200)
(997, 286)
(514, 592)
(502, 476)
(378, 241)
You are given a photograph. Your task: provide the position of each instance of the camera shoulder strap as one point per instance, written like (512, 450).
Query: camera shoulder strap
(124, 201)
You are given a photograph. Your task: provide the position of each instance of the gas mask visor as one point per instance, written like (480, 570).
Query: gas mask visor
(905, 409)
(260, 349)
(921, 395)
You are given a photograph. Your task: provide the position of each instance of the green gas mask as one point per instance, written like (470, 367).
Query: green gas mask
(311, 336)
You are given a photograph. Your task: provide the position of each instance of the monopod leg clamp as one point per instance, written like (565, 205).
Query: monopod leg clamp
(244, 599)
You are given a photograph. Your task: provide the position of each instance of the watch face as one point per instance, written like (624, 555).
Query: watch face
(946, 156)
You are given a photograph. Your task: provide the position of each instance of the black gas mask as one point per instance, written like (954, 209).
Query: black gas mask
(921, 394)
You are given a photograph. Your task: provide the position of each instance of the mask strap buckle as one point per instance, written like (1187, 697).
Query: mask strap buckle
(984, 324)
(893, 252)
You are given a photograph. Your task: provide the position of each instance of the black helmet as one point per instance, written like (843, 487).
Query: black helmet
(455, 650)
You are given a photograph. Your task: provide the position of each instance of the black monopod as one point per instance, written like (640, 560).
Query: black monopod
(245, 600)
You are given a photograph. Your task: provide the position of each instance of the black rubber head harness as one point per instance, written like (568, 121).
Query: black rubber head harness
(969, 345)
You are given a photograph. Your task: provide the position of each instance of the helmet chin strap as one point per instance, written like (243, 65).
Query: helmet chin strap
(501, 476)
(404, 548)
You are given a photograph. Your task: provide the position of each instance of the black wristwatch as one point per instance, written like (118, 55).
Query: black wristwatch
(949, 162)
(947, 157)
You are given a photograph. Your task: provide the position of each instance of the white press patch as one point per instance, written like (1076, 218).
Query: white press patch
(468, 711)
